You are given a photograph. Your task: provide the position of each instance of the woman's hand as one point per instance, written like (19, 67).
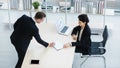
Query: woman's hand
(74, 37)
(66, 45)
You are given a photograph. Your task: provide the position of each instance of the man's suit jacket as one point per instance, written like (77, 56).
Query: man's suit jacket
(84, 44)
(24, 30)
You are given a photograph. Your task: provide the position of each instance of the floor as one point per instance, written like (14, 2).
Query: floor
(8, 55)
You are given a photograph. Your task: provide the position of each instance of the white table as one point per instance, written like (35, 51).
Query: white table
(49, 57)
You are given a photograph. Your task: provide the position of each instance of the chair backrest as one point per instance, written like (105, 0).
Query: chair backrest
(95, 46)
(105, 35)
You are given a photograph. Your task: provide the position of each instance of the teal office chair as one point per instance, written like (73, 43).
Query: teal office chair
(97, 49)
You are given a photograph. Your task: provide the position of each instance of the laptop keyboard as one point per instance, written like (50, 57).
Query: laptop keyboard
(64, 29)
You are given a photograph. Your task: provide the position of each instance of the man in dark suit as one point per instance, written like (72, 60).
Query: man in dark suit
(24, 29)
(81, 34)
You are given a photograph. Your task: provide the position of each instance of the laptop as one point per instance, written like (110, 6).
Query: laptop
(62, 28)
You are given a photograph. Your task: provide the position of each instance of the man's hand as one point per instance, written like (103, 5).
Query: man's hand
(51, 44)
(66, 45)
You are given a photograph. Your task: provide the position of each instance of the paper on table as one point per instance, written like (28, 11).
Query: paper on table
(58, 45)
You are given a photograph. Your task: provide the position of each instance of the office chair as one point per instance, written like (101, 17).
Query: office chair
(97, 49)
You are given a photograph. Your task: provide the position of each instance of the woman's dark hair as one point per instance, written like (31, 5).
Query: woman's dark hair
(83, 18)
(40, 15)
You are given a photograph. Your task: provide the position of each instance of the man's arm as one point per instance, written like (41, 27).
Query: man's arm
(38, 38)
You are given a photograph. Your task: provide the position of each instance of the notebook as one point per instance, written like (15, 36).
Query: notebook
(62, 28)
(58, 45)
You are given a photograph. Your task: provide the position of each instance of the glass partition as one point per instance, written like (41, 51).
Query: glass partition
(3, 4)
(4, 13)
(73, 6)
(113, 7)
(68, 10)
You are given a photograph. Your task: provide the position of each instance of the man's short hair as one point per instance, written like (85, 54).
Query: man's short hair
(83, 18)
(40, 15)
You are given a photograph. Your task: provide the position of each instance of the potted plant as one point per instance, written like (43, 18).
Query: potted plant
(36, 4)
